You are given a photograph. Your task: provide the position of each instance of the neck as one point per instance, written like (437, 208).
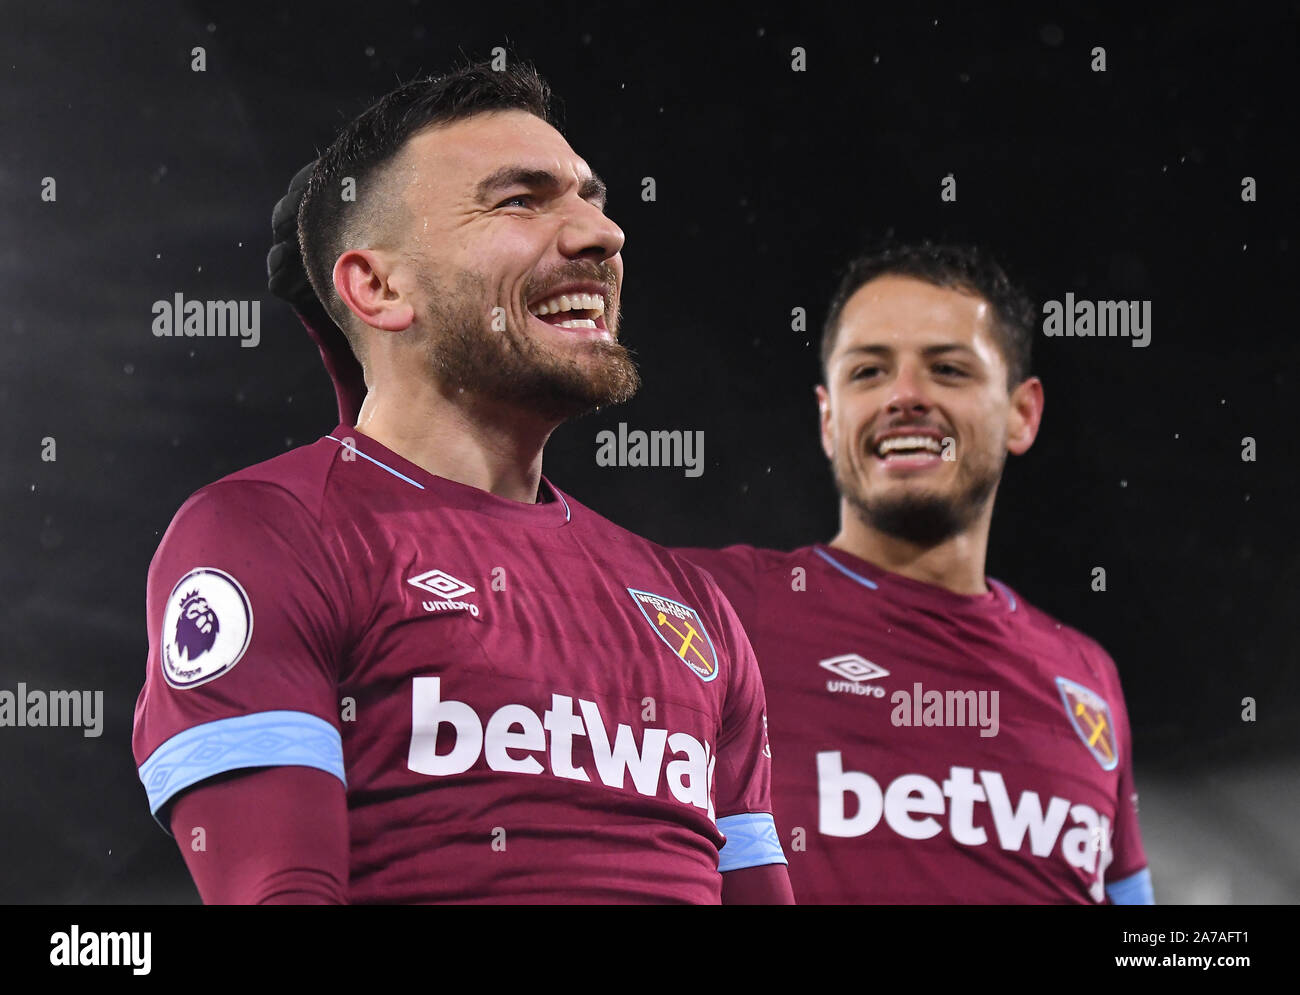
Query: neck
(956, 564)
(463, 437)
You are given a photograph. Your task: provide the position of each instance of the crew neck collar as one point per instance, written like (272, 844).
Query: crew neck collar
(552, 512)
(998, 599)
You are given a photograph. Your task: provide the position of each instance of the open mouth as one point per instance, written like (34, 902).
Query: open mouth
(907, 445)
(572, 310)
(909, 451)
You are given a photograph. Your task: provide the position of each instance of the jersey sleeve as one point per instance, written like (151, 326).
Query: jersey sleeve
(744, 758)
(246, 617)
(1128, 879)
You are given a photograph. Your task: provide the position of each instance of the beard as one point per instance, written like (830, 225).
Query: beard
(924, 518)
(466, 353)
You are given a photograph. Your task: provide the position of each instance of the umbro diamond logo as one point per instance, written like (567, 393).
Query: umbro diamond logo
(441, 583)
(854, 668)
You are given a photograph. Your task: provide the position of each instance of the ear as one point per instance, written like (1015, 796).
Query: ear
(1025, 416)
(363, 280)
(824, 417)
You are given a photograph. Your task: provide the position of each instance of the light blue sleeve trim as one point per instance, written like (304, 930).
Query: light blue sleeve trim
(751, 842)
(1132, 890)
(263, 739)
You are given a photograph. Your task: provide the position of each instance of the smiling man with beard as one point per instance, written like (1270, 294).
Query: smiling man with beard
(936, 739)
(433, 675)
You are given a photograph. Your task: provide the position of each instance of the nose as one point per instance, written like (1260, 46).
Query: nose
(906, 395)
(589, 233)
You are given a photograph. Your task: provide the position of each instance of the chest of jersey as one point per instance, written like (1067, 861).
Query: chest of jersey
(928, 758)
(490, 651)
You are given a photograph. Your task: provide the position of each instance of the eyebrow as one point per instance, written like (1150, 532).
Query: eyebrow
(886, 352)
(928, 351)
(592, 188)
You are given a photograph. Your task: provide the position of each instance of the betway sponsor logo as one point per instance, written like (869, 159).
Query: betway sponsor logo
(515, 740)
(910, 803)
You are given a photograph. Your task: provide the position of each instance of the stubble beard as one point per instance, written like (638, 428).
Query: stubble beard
(466, 353)
(924, 518)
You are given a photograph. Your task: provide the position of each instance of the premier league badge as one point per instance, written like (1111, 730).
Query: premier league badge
(206, 628)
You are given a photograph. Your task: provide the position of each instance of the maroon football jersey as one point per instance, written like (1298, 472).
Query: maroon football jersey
(524, 702)
(932, 747)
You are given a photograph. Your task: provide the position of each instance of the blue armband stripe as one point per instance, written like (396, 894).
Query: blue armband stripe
(1132, 890)
(263, 739)
(751, 841)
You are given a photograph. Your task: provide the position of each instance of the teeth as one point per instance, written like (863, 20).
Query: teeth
(907, 442)
(576, 323)
(571, 302)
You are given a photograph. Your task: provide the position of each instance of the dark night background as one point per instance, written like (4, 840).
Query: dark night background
(1120, 185)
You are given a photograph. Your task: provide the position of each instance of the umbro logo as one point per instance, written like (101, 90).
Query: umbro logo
(854, 670)
(441, 583)
(446, 588)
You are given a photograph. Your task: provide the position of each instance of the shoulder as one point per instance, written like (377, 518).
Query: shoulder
(1052, 627)
(299, 476)
(286, 495)
(618, 546)
(302, 474)
(614, 539)
(741, 564)
(1094, 662)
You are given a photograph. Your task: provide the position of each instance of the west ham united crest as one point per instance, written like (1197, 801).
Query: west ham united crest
(1090, 716)
(681, 629)
(206, 628)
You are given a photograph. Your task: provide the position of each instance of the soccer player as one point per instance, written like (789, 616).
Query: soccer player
(936, 738)
(398, 664)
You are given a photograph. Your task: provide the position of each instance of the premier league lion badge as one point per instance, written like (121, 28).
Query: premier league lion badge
(206, 628)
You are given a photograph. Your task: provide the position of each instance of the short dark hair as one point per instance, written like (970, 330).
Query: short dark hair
(959, 267)
(328, 225)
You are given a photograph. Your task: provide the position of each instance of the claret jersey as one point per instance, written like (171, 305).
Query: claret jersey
(524, 702)
(932, 747)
